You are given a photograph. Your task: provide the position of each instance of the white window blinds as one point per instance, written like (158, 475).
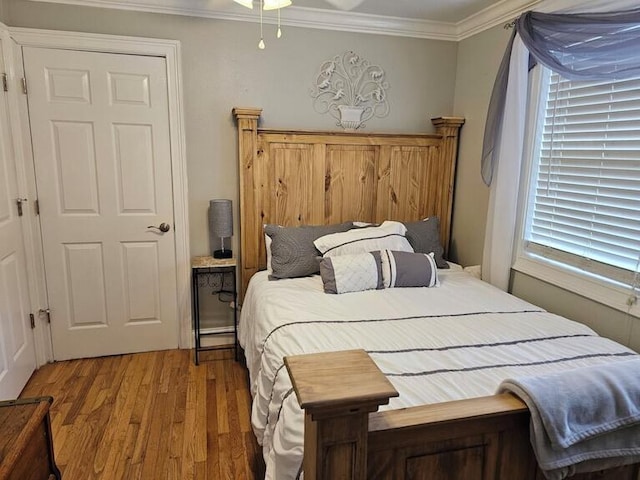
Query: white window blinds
(586, 198)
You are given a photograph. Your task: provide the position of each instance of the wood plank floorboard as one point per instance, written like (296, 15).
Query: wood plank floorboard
(151, 416)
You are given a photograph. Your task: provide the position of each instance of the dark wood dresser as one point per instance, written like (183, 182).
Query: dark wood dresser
(26, 445)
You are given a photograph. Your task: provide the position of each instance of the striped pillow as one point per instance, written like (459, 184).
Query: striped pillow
(405, 269)
(389, 235)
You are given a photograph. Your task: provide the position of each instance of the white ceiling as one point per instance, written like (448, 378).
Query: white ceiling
(452, 11)
(434, 19)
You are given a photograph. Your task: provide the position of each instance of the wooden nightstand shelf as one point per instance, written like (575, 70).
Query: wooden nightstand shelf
(26, 446)
(219, 274)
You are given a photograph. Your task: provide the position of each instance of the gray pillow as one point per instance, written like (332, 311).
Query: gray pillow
(424, 237)
(293, 253)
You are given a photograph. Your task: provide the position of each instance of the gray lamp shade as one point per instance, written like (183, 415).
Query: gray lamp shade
(220, 224)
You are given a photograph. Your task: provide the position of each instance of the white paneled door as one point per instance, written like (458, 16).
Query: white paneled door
(100, 131)
(17, 356)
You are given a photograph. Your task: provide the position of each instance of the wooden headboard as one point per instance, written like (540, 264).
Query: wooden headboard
(291, 177)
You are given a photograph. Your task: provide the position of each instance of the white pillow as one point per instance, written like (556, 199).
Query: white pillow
(267, 246)
(363, 224)
(388, 236)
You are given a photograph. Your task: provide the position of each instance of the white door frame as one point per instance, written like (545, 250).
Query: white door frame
(170, 50)
(21, 141)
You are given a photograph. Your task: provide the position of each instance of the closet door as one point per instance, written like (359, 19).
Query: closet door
(100, 134)
(17, 356)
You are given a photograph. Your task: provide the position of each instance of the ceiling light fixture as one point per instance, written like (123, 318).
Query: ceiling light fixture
(245, 3)
(266, 5)
(261, 42)
(276, 4)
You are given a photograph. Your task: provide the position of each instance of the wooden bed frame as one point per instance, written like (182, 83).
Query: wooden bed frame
(291, 177)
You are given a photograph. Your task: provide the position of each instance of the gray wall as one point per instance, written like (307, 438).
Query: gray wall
(604, 320)
(223, 68)
(478, 60)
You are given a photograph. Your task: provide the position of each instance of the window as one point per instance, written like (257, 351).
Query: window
(582, 213)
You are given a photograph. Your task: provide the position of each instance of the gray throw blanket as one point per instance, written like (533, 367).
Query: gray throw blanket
(583, 420)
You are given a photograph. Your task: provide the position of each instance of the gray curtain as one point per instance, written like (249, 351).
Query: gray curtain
(586, 46)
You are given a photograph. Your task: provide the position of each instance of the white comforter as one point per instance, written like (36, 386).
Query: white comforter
(459, 340)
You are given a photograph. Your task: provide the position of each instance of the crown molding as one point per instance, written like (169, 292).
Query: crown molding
(507, 10)
(290, 16)
(367, 23)
(501, 12)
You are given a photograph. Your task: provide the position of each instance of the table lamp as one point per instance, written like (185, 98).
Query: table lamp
(221, 225)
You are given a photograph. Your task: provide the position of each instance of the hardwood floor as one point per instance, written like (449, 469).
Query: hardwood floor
(151, 416)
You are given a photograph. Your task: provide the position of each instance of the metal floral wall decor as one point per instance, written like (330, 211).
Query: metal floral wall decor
(351, 90)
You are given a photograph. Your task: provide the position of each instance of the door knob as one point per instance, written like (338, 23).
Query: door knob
(164, 227)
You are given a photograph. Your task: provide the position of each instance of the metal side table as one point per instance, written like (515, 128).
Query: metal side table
(219, 274)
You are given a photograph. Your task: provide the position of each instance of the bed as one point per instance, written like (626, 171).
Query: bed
(443, 350)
